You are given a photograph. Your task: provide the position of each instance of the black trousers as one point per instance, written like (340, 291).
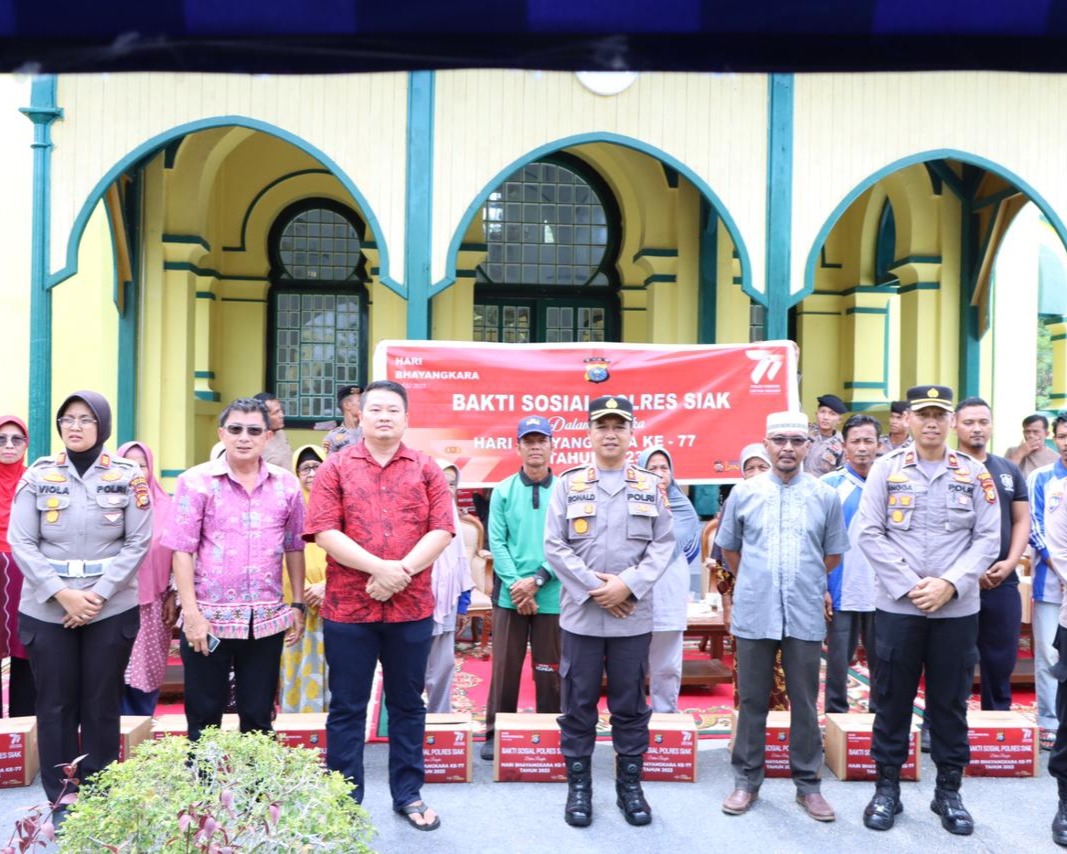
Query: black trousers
(1057, 763)
(256, 667)
(945, 648)
(79, 678)
(511, 633)
(582, 666)
(842, 635)
(999, 621)
(22, 693)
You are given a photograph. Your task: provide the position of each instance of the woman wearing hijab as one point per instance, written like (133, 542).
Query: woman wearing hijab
(451, 578)
(148, 661)
(304, 683)
(21, 693)
(80, 526)
(671, 593)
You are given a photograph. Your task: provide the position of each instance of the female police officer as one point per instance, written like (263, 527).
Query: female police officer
(80, 526)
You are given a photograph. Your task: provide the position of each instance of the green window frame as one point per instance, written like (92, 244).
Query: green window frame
(317, 309)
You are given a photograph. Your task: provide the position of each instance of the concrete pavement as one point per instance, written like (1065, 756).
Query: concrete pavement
(517, 818)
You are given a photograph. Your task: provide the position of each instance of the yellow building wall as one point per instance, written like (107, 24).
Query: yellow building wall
(16, 163)
(85, 323)
(357, 120)
(850, 126)
(486, 120)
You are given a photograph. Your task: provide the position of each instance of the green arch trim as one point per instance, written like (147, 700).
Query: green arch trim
(240, 247)
(920, 157)
(160, 141)
(581, 139)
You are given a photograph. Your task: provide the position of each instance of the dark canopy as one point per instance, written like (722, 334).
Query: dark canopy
(302, 36)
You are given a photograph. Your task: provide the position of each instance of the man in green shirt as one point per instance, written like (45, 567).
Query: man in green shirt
(526, 602)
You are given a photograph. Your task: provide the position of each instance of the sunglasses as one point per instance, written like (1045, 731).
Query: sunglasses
(782, 441)
(250, 429)
(308, 468)
(13, 441)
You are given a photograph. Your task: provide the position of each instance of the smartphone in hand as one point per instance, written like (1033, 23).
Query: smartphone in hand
(212, 642)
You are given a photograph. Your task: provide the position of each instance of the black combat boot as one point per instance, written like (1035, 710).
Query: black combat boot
(948, 804)
(631, 799)
(885, 806)
(579, 809)
(1059, 824)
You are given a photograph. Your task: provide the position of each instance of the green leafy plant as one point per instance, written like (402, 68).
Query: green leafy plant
(226, 793)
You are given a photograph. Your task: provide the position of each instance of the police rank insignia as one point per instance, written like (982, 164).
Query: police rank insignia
(54, 477)
(989, 490)
(140, 492)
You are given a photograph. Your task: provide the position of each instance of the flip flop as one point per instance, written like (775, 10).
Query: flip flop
(419, 808)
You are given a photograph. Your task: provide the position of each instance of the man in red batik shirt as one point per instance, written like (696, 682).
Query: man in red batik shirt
(383, 513)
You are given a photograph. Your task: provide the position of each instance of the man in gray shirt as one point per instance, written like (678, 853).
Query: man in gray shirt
(780, 534)
(929, 523)
(608, 539)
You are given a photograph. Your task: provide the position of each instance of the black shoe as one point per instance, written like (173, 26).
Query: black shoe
(487, 750)
(948, 804)
(885, 806)
(629, 796)
(1059, 824)
(579, 809)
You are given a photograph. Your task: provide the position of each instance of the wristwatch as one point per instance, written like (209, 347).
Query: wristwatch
(539, 581)
(299, 606)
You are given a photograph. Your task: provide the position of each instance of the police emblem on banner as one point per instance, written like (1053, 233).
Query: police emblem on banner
(596, 369)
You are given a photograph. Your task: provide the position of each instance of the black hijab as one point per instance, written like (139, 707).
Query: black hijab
(101, 410)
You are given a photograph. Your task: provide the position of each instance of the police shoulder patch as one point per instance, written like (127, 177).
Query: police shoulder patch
(140, 492)
(989, 490)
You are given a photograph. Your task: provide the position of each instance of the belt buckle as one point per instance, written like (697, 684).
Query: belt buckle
(75, 568)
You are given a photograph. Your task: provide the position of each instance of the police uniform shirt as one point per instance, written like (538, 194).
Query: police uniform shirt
(614, 522)
(341, 437)
(59, 516)
(825, 453)
(939, 520)
(885, 444)
(784, 532)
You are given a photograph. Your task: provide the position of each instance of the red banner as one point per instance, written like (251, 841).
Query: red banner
(703, 403)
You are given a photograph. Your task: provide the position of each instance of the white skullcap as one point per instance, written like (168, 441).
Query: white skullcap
(787, 422)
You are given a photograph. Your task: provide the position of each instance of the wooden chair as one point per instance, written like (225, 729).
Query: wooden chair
(481, 563)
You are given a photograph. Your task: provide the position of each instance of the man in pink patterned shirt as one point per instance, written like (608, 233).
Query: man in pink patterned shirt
(233, 519)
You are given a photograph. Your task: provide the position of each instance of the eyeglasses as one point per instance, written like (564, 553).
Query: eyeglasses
(69, 421)
(782, 441)
(238, 429)
(307, 468)
(13, 441)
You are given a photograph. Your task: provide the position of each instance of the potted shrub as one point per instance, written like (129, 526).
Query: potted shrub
(227, 792)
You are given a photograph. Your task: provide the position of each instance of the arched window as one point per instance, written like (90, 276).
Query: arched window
(552, 237)
(317, 334)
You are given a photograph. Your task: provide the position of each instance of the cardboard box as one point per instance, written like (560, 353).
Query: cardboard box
(1003, 744)
(848, 748)
(133, 730)
(164, 725)
(19, 762)
(672, 749)
(527, 750)
(776, 751)
(306, 730)
(447, 749)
